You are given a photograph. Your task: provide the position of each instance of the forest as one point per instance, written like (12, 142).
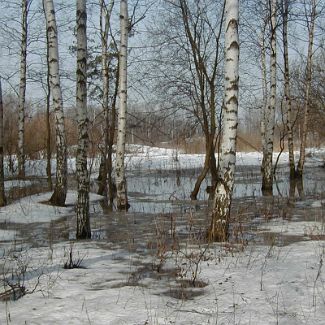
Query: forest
(162, 162)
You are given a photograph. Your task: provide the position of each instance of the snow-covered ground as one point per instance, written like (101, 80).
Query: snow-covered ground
(259, 285)
(234, 283)
(34, 208)
(148, 158)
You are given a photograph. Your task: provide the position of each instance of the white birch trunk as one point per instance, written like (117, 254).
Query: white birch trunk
(227, 159)
(83, 223)
(122, 200)
(311, 31)
(287, 94)
(267, 164)
(22, 89)
(2, 185)
(60, 190)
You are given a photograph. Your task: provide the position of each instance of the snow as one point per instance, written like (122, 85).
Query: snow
(150, 158)
(292, 228)
(35, 209)
(241, 283)
(261, 285)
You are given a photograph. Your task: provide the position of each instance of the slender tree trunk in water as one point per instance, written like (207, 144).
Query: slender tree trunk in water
(213, 166)
(300, 187)
(264, 88)
(111, 183)
(122, 200)
(311, 28)
(104, 22)
(83, 223)
(287, 94)
(60, 190)
(292, 189)
(22, 89)
(267, 168)
(48, 123)
(2, 178)
(213, 163)
(48, 140)
(204, 171)
(218, 230)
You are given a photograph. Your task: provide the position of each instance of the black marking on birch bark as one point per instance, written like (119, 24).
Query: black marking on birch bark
(233, 99)
(233, 45)
(233, 23)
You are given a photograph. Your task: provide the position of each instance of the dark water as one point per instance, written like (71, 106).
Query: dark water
(164, 191)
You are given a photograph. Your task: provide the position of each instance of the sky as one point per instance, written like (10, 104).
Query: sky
(140, 88)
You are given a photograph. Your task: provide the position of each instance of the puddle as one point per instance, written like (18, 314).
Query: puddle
(164, 191)
(160, 208)
(183, 294)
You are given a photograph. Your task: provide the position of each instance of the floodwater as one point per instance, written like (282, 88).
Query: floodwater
(160, 208)
(166, 191)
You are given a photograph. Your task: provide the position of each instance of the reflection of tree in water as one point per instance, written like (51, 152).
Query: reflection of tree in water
(178, 177)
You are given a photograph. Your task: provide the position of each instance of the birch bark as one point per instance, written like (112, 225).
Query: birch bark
(60, 190)
(311, 31)
(227, 157)
(83, 223)
(22, 89)
(267, 168)
(2, 185)
(104, 22)
(287, 95)
(122, 200)
(48, 123)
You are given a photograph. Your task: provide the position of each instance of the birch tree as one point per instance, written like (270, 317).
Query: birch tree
(60, 191)
(48, 123)
(269, 115)
(48, 108)
(122, 200)
(105, 173)
(22, 88)
(311, 18)
(2, 185)
(287, 93)
(262, 46)
(227, 157)
(83, 224)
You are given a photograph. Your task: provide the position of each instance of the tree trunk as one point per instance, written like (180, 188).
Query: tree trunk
(267, 168)
(111, 183)
(48, 124)
(287, 94)
(122, 200)
(311, 28)
(83, 223)
(264, 88)
(2, 185)
(22, 89)
(206, 167)
(105, 14)
(218, 230)
(60, 190)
